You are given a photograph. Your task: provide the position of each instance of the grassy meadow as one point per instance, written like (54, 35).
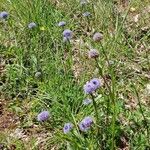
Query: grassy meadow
(44, 69)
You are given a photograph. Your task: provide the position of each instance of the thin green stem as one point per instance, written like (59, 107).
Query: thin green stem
(101, 74)
(112, 96)
(109, 89)
(99, 134)
(105, 54)
(113, 127)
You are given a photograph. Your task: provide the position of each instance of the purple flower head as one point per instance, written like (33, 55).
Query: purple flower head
(67, 34)
(87, 101)
(89, 88)
(43, 116)
(96, 82)
(92, 86)
(4, 15)
(85, 124)
(83, 2)
(62, 23)
(32, 25)
(93, 53)
(86, 14)
(97, 37)
(67, 127)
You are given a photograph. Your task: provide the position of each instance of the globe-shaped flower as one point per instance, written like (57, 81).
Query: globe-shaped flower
(97, 37)
(93, 53)
(83, 2)
(67, 127)
(38, 74)
(86, 14)
(85, 124)
(67, 34)
(4, 15)
(43, 116)
(32, 25)
(92, 86)
(62, 23)
(87, 101)
(96, 82)
(89, 88)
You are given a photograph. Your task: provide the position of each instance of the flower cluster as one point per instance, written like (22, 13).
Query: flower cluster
(4, 15)
(92, 86)
(85, 124)
(62, 23)
(67, 34)
(97, 37)
(93, 53)
(43, 116)
(32, 25)
(67, 127)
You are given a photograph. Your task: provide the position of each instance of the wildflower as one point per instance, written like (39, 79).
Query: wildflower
(62, 23)
(86, 14)
(83, 2)
(87, 101)
(43, 116)
(93, 53)
(67, 34)
(85, 124)
(31, 25)
(97, 37)
(92, 86)
(96, 82)
(67, 127)
(4, 15)
(38, 74)
(89, 88)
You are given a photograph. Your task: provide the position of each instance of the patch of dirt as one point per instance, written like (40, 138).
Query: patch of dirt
(124, 145)
(10, 126)
(8, 120)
